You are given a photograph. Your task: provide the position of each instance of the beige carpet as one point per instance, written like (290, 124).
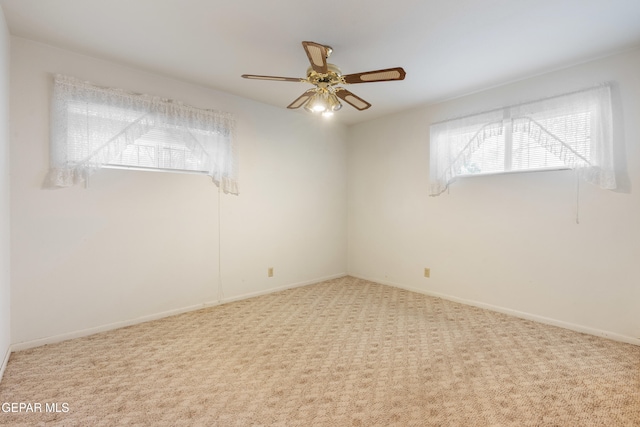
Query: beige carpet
(345, 352)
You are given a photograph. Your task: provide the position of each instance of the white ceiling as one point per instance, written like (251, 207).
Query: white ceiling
(447, 47)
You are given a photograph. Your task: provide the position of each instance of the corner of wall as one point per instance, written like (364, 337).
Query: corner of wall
(5, 294)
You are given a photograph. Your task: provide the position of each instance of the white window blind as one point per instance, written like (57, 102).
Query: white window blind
(567, 131)
(95, 127)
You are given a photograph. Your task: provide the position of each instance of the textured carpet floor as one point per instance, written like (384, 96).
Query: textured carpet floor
(345, 352)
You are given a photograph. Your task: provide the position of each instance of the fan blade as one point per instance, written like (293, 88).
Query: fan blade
(317, 54)
(376, 76)
(351, 99)
(300, 101)
(276, 78)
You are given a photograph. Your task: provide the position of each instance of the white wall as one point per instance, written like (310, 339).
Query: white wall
(5, 317)
(141, 244)
(509, 242)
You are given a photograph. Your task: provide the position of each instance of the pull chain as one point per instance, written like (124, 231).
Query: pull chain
(577, 198)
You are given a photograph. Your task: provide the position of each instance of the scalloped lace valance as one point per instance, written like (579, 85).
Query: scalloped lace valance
(93, 127)
(572, 130)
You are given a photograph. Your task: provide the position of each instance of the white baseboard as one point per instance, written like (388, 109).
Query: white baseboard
(108, 327)
(523, 315)
(282, 288)
(116, 325)
(5, 360)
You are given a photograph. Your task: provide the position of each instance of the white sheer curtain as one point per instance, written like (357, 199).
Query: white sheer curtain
(92, 126)
(575, 128)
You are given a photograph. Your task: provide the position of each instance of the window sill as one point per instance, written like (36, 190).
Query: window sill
(140, 168)
(554, 169)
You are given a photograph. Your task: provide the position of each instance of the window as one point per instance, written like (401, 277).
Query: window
(95, 127)
(568, 131)
(159, 149)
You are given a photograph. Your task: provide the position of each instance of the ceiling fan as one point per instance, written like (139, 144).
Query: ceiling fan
(323, 98)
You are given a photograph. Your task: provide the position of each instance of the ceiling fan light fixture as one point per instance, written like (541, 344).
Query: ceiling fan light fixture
(319, 107)
(318, 103)
(334, 103)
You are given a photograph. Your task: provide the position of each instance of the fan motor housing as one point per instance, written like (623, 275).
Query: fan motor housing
(331, 78)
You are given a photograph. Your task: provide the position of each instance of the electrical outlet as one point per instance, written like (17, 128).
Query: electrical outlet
(270, 272)
(427, 272)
